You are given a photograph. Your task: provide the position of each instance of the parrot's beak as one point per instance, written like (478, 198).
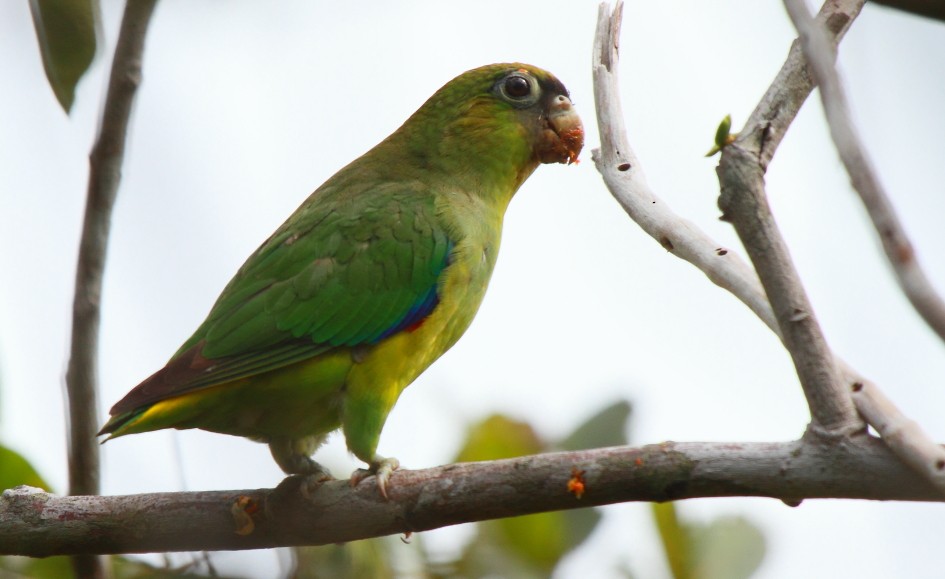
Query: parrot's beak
(563, 134)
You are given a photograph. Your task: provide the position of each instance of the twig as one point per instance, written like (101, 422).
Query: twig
(899, 251)
(37, 524)
(105, 162)
(903, 435)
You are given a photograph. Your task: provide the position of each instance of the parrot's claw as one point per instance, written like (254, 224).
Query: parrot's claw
(380, 468)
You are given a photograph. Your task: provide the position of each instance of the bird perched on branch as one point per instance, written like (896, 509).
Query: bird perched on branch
(374, 277)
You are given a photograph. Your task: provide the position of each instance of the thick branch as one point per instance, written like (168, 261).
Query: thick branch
(899, 251)
(38, 524)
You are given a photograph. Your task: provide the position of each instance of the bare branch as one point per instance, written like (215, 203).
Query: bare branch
(35, 523)
(743, 201)
(899, 251)
(623, 174)
(828, 398)
(624, 177)
(105, 163)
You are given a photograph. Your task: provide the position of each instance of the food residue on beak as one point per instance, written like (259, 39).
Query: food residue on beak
(563, 135)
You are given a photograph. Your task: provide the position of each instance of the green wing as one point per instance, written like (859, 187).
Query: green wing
(346, 269)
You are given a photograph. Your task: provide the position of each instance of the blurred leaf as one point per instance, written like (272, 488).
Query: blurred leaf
(15, 470)
(369, 558)
(538, 541)
(23, 567)
(677, 542)
(498, 437)
(66, 33)
(728, 548)
(606, 428)
(528, 546)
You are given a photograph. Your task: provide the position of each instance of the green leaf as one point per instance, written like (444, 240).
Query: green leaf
(606, 428)
(498, 437)
(15, 470)
(66, 33)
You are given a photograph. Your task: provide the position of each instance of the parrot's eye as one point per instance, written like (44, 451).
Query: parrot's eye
(519, 88)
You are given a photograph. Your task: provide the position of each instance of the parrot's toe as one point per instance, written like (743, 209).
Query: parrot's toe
(380, 468)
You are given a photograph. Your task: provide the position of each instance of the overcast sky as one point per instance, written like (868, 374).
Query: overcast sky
(246, 109)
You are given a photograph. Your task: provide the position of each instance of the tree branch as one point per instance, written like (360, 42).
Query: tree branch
(105, 162)
(38, 524)
(899, 251)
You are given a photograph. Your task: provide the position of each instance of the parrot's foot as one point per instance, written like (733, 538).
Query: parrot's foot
(381, 468)
(294, 456)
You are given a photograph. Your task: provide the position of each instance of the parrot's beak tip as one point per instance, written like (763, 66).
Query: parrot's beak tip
(563, 137)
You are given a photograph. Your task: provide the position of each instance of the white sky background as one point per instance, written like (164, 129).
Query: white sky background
(244, 110)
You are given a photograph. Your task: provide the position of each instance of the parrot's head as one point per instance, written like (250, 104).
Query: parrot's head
(495, 119)
(542, 107)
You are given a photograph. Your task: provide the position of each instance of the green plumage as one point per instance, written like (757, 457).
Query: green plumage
(373, 278)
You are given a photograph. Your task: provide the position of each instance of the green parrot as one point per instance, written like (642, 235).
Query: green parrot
(374, 277)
